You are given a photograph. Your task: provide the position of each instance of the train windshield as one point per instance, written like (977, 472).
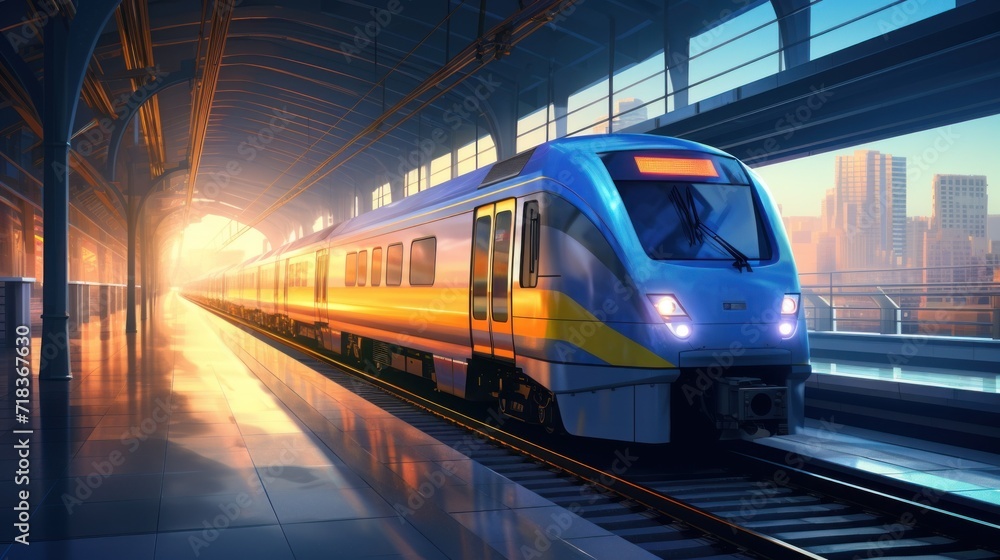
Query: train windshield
(693, 220)
(691, 208)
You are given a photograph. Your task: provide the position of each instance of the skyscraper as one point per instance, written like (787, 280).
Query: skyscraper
(870, 210)
(957, 241)
(960, 204)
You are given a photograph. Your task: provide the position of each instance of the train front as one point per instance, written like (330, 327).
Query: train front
(709, 255)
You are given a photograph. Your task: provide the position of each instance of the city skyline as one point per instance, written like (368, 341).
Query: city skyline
(960, 149)
(862, 225)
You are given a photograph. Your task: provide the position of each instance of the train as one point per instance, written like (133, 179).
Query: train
(627, 287)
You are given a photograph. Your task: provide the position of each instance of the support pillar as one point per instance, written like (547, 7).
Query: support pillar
(680, 21)
(130, 212)
(104, 296)
(68, 49)
(55, 355)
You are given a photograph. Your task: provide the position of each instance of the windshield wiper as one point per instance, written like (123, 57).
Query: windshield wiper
(689, 214)
(684, 212)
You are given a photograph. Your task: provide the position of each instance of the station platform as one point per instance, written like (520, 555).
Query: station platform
(950, 406)
(928, 473)
(193, 439)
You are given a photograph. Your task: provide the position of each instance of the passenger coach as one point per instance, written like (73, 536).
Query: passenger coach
(627, 287)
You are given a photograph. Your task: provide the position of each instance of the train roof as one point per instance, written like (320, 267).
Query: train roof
(537, 160)
(449, 191)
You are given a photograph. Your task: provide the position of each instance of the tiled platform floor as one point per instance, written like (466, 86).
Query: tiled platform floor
(167, 445)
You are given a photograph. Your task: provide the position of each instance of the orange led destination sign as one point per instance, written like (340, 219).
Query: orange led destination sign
(688, 167)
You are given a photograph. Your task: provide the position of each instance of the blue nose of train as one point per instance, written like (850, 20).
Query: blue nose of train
(715, 307)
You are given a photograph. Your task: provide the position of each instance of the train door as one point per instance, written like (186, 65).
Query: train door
(492, 332)
(319, 292)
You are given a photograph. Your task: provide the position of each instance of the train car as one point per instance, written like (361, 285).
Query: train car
(626, 287)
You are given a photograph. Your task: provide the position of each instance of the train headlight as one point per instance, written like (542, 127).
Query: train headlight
(790, 304)
(668, 307)
(673, 314)
(789, 311)
(680, 330)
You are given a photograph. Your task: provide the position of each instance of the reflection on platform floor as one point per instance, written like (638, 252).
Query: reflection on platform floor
(943, 469)
(168, 445)
(937, 377)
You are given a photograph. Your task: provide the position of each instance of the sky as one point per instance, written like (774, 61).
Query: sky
(968, 148)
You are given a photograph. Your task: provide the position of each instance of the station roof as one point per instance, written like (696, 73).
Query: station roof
(276, 109)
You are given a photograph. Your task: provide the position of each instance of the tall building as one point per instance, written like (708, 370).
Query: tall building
(957, 241)
(869, 210)
(960, 204)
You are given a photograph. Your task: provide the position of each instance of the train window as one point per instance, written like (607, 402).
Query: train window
(423, 253)
(351, 269)
(376, 266)
(530, 244)
(394, 265)
(480, 267)
(683, 221)
(362, 268)
(501, 264)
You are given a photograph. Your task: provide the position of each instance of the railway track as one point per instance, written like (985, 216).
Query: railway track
(708, 502)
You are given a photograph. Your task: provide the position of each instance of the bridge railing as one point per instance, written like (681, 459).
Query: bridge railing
(959, 301)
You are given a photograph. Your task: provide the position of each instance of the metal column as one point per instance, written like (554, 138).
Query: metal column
(57, 115)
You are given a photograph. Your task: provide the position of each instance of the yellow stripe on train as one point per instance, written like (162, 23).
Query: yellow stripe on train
(542, 316)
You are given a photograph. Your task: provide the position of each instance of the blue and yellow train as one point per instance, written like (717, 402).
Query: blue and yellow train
(626, 287)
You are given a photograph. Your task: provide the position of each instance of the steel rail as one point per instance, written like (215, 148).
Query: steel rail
(959, 520)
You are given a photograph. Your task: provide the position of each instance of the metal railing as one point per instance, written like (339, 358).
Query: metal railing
(943, 301)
